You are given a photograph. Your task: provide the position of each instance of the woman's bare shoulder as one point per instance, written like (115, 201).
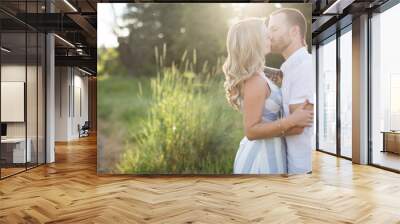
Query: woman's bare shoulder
(255, 81)
(255, 85)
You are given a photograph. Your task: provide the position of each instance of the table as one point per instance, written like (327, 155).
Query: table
(391, 141)
(18, 151)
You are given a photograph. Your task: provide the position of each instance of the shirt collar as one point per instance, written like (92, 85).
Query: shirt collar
(293, 59)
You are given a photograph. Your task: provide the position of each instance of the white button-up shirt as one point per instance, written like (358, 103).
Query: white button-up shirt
(298, 84)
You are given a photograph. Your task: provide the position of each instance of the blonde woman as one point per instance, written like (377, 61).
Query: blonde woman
(262, 150)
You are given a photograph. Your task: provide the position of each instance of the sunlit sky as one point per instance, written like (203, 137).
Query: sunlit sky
(106, 20)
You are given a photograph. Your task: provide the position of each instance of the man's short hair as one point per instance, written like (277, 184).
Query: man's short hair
(295, 18)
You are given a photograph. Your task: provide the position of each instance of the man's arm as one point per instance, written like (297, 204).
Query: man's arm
(298, 130)
(303, 87)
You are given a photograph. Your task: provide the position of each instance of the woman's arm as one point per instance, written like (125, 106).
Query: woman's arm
(255, 94)
(298, 130)
(294, 131)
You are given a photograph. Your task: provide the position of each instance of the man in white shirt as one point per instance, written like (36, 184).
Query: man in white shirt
(287, 30)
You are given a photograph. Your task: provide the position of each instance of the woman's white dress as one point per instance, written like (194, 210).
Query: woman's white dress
(264, 156)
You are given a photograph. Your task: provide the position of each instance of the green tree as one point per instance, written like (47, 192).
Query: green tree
(195, 28)
(182, 27)
(108, 63)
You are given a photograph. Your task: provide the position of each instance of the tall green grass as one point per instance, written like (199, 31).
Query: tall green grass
(189, 128)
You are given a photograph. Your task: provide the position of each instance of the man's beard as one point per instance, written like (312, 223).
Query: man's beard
(279, 46)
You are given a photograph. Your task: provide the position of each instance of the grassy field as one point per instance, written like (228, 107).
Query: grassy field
(122, 102)
(177, 122)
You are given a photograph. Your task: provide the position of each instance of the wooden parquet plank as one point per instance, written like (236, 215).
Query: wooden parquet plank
(70, 191)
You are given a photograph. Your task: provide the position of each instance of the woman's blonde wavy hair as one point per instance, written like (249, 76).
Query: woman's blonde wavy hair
(246, 44)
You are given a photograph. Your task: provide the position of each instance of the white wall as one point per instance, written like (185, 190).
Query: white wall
(12, 101)
(62, 81)
(34, 125)
(16, 73)
(71, 93)
(9, 73)
(80, 100)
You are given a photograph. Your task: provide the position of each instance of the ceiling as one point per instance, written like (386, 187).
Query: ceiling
(332, 15)
(74, 22)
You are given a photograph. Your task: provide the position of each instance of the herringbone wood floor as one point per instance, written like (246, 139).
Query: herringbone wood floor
(69, 191)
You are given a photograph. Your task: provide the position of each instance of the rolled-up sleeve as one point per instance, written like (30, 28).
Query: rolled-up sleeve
(302, 86)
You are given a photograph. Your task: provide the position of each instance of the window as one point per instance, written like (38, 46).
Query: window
(22, 77)
(385, 89)
(327, 96)
(346, 93)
